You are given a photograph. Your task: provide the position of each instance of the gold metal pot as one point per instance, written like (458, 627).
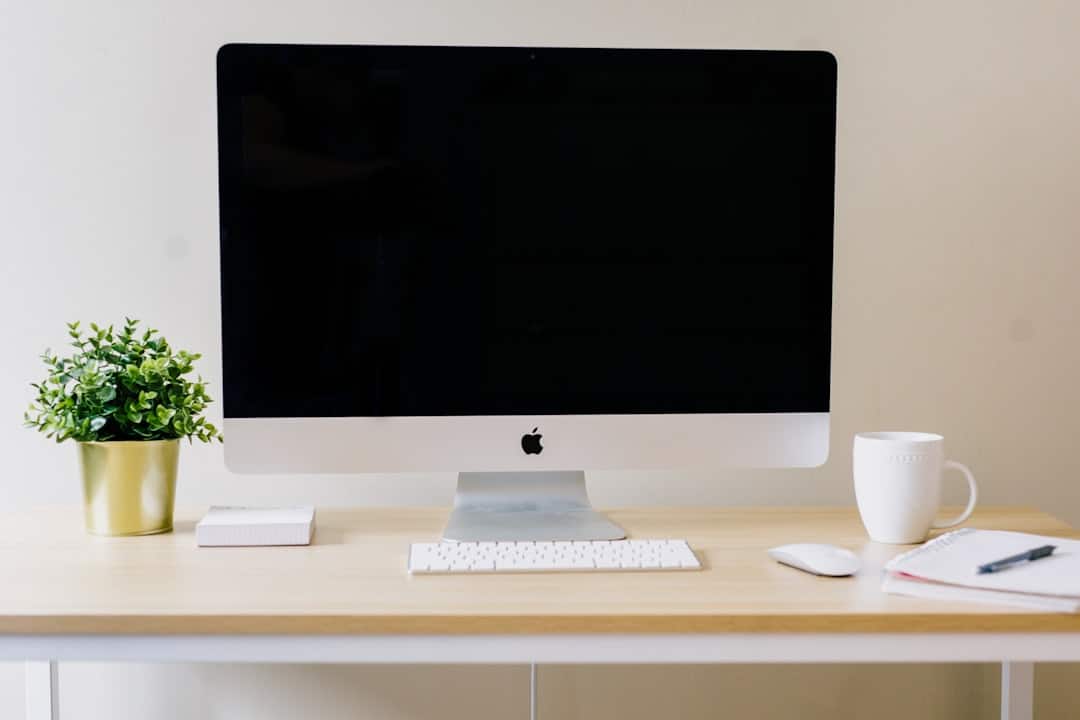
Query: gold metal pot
(129, 486)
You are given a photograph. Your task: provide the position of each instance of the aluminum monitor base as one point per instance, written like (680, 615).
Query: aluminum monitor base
(517, 506)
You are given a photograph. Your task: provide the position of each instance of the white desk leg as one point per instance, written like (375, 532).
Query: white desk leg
(42, 691)
(1017, 690)
(532, 691)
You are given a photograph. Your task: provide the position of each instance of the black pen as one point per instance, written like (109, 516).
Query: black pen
(1029, 556)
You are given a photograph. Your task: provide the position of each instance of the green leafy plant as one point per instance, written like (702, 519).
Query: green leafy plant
(122, 385)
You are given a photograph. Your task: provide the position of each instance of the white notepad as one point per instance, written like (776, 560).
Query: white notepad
(245, 526)
(946, 568)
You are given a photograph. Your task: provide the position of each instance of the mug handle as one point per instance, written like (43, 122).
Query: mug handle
(971, 499)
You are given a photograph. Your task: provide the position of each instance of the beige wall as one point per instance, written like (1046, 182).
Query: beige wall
(957, 240)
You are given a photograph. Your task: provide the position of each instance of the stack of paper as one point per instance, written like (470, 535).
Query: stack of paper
(946, 569)
(245, 526)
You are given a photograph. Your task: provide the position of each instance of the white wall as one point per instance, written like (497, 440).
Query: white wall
(957, 240)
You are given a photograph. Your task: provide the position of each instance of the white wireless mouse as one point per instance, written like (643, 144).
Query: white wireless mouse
(818, 559)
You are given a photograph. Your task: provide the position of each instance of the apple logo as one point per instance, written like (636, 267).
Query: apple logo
(530, 443)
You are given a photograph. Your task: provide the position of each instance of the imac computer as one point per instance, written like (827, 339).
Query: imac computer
(522, 264)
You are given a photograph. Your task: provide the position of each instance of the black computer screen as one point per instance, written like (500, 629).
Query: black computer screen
(433, 231)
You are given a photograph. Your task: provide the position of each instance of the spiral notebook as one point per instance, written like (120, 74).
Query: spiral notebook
(945, 569)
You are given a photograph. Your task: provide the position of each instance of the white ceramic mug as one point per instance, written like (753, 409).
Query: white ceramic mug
(898, 484)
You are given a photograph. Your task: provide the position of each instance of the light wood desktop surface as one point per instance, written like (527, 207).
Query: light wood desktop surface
(352, 580)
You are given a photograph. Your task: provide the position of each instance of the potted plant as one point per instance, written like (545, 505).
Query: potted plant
(124, 397)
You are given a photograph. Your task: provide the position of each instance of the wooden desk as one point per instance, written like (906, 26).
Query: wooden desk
(348, 598)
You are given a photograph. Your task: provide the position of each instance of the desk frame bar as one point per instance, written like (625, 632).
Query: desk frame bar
(612, 649)
(1015, 652)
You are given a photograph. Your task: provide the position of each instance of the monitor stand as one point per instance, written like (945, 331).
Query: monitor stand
(515, 506)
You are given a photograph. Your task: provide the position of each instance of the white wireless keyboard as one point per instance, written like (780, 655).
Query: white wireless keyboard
(517, 557)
